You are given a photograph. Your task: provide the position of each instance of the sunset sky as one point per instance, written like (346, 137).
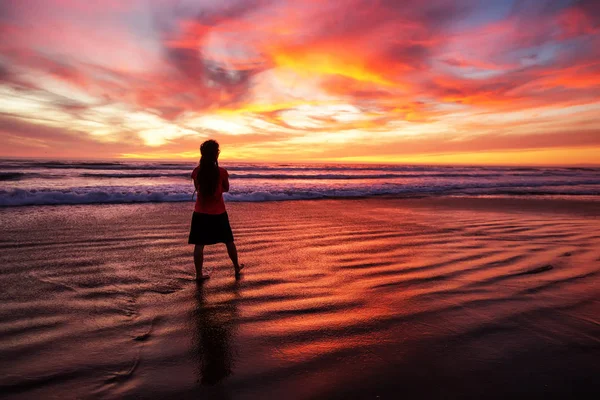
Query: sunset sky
(411, 81)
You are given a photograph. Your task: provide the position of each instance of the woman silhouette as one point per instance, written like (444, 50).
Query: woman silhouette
(210, 223)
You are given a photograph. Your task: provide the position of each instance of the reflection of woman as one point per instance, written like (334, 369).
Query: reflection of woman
(215, 323)
(210, 223)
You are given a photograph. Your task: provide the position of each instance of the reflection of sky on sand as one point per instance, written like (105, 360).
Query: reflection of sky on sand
(339, 299)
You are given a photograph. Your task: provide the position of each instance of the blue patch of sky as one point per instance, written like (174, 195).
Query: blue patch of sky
(532, 8)
(485, 12)
(550, 53)
(543, 54)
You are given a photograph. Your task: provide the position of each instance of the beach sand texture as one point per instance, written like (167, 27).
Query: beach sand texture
(420, 298)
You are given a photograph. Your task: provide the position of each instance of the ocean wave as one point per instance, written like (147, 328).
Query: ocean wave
(255, 167)
(108, 195)
(12, 176)
(312, 176)
(116, 165)
(343, 176)
(110, 166)
(22, 197)
(288, 176)
(137, 175)
(18, 176)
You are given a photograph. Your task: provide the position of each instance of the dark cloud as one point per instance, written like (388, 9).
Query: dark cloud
(358, 17)
(415, 55)
(536, 8)
(4, 74)
(591, 8)
(5, 11)
(209, 83)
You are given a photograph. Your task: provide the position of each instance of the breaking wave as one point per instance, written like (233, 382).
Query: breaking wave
(112, 195)
(47, 182)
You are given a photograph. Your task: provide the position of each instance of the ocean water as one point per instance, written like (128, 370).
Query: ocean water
(36, 182)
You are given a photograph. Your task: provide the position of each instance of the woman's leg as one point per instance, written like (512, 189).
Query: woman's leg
(198, 259)
(232, 251)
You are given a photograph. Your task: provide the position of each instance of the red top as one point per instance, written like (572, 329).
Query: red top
(213, 204)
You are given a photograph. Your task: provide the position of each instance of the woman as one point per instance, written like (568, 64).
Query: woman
(210, 223)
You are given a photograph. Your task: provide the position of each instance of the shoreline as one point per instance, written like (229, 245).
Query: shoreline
(434, 200)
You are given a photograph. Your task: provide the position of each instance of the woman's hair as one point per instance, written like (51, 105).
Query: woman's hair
(208, 174)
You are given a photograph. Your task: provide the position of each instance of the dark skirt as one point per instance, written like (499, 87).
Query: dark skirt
(210, 229)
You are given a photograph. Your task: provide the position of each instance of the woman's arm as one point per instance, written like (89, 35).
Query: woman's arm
(225, 181)
(194, 175)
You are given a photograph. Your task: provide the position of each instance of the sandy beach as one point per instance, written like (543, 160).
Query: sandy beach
(365, 298)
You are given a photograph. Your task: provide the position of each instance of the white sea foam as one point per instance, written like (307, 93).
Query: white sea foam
(20, 197)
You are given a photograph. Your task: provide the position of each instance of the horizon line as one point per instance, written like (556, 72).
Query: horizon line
(300, 162)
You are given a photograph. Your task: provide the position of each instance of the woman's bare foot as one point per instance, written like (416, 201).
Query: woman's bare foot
(202, 278)
(238, 270)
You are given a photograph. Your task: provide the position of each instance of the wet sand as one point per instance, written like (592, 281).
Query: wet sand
(376, 298)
